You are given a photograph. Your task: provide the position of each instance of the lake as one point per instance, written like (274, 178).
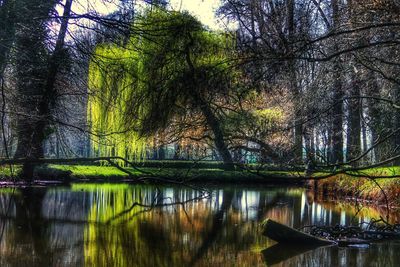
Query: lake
(146, 225)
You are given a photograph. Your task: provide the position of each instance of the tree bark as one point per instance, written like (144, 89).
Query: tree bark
(396, 124)
(31, 69)
(298, 126)
(215, 126)
(355, 102)
(309, 143)
(205, 108)
(354, 119)
(337, 121)
(49, 95)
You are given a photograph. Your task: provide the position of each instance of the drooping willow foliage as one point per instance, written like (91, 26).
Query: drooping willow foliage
(168, 63)
(111, 78)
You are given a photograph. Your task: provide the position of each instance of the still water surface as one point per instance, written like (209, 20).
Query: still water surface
(131, 225)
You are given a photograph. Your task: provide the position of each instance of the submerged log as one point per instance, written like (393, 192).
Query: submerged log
(285, 234)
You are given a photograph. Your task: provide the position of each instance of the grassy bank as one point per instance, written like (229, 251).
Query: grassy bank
(179, 174)
(199, 172)
(341, 185)
(364, 186)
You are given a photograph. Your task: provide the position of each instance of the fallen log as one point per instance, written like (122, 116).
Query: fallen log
(285, 234)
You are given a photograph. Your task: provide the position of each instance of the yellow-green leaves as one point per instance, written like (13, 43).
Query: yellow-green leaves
(111, 77)
(135, 88)
(268, 116)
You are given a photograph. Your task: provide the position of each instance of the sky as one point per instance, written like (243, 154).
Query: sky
(204, 10)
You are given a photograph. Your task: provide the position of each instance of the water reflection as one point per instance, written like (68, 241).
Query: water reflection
(126, 225)
(380, 254)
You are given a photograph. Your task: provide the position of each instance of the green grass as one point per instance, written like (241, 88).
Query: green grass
(201, 172)
(179, 174)
(210, 172)
(5, 171)
(84, 171)
(380, 171)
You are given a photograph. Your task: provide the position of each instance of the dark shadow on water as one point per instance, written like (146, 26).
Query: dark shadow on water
(30, 228)
(281, 252)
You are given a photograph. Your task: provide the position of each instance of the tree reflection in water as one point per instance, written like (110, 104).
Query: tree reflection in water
(128, 225)
(380, 254)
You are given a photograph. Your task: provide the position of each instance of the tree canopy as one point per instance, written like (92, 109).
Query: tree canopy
(172, 64)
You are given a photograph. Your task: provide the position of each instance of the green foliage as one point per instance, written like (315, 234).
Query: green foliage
(269, 116)
(137, 88)
(253, 122)
(6, 173)
(110, 79)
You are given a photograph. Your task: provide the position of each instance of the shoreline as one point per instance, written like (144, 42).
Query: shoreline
(340, 186)
(359, 190)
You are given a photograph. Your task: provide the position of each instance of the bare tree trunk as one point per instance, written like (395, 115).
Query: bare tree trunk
(374, 113)
(337, 122)
(396, 123)
(298, 128)
(37, 76)
(354, 120)
(328, 144)
(49, 95)
(30, 73)
(354, 103)
(215, 126)
(364, 133)
(208, 113)
(309, 143)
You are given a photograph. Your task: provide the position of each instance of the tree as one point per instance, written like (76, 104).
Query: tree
(7, 31)
(170, 65)
(320, 52)
(36, 72)
(338, 94)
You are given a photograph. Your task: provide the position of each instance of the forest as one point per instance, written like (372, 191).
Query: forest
(114, 110)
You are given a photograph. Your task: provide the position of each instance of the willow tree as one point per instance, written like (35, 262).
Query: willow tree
(171, 61)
